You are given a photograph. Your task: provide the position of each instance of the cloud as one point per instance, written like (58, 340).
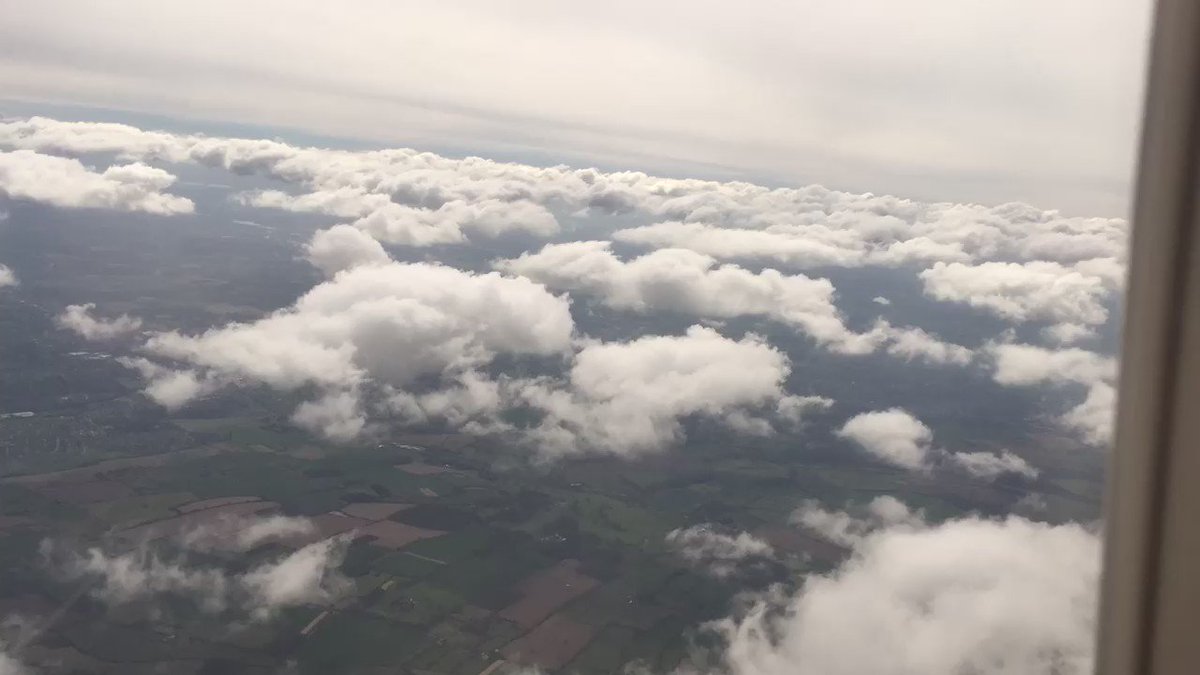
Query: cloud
(812, 227)
(992, 597)
(880, 300)
(8, 277)
(1033, 291)
(403, 196)
(10, 665)
(989, 465)
(686, 281)
(625, 398)
(847, 530)
(1018, 364)
(1027, 365)
(717, 553)
(629, 397)
(78, 318)
(66, 183)
(342, 247)
(369, 326)
(414, 225)
(893, 436)
(337, 416)
(915, 344)
(1093, 418)
(679, 280)
(308, 575)
(141, 574)
(898, 438)
(1067, 333)
(734, 244)
(239, 533)
(168, 387)
(404, 343)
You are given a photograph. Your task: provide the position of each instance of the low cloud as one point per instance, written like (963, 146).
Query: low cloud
(893, 436)
(1067, 333)
(342, 247)
(378, 216)
(308, 575)
(630, 397)
(10, 665)
(371, 326)
(1029, 365)
(240, 534)
(1032, 291)
(989, 597)
(679, 280)
(684, 281)
(79, 318)
(848, 530)
(7, 277)
(67, 183)
(717, 553)
(914, 344)
(748, 244)
(896, 437)
(989, 466)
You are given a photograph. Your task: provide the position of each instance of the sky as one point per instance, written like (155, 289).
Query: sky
(970, 101)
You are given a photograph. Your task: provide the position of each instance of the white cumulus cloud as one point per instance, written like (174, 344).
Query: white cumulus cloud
(893, 436)
(1027, 365)
(718, 553)
(67, 183)
(79, 318)
(342, 247)
(686, 281)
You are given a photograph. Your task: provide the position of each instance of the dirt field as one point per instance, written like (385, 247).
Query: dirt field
(374, 510)
(13, 521)
(420, 469)
(794, 540)
(546, 591)
(213, 503)
(189, 521)
(86, 492)
(91, 472)
(393, 535)
(552, 644)
(326, 525)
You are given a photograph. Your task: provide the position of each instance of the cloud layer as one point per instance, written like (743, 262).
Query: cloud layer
(701, 252)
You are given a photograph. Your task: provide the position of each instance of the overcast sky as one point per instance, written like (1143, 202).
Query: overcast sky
(963, 100)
